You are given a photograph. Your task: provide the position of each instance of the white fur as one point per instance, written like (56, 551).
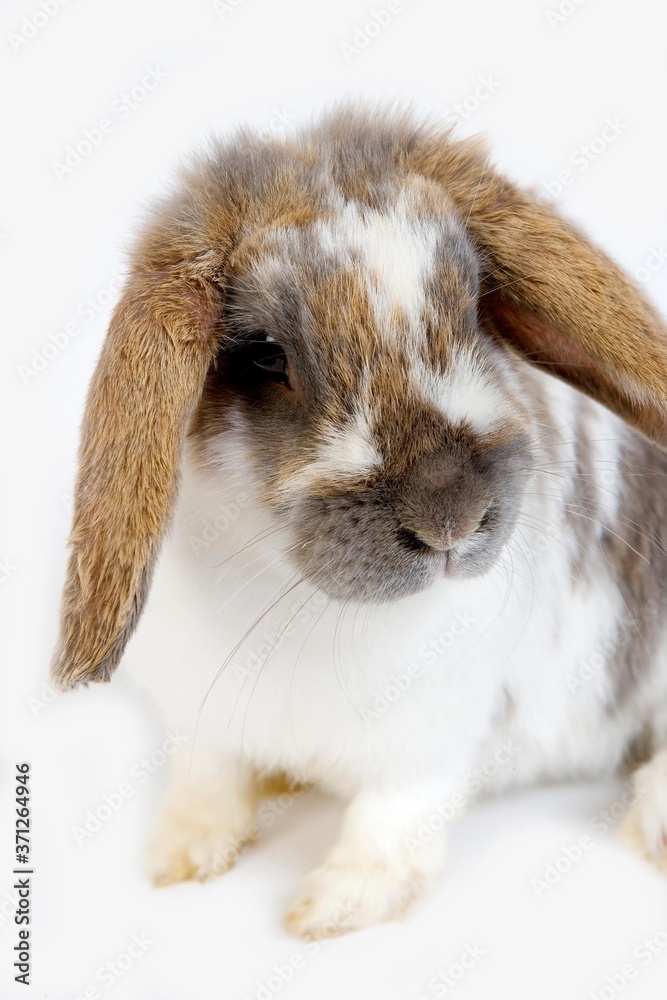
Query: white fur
(343, 453)
(395, 251)
(394, 709)
(465, 393)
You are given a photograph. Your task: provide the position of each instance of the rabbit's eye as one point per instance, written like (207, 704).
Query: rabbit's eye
(270, 357)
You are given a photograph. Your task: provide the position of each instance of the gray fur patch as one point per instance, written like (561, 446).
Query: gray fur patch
(636, 554)
(583, 505)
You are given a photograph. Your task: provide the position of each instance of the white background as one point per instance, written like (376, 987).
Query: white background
(63, 241)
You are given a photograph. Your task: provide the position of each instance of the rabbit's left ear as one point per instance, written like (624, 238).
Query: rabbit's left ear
(161, 341)
(560, 300)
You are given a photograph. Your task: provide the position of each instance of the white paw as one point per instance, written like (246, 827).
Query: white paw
(339, 897)
(176, 855)
(195, 846)
(645, 825)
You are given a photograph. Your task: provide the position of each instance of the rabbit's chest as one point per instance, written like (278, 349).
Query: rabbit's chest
(264, 666)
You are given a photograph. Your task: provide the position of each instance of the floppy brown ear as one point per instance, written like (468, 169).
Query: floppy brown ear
(150, 375)
(553, 294)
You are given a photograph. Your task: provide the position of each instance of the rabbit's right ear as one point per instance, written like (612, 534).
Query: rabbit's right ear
(150, 376)
(552, 294)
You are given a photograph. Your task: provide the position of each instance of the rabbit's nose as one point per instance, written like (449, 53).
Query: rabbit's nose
(445, 500)
(424, 532)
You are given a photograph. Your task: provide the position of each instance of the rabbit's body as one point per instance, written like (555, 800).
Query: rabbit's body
(406, 564)
(544, 651)
(541, 669)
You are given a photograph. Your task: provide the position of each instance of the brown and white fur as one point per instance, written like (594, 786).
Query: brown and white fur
(436, 414)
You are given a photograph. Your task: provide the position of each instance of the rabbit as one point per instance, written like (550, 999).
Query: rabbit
(375, 450)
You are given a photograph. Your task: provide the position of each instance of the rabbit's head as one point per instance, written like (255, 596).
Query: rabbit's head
(381, 422)
(355, 306)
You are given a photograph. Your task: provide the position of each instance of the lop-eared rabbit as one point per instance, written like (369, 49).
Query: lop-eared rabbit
(374, 450)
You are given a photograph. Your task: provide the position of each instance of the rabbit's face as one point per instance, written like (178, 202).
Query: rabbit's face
(387, 428)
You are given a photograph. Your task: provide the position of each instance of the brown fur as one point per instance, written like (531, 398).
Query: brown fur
(553, 293)
(546, 288)
(148, 381)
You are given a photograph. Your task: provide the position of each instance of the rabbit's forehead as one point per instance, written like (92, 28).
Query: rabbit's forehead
(407, 263)
(385, 301)
(394, 253)
(359, 277)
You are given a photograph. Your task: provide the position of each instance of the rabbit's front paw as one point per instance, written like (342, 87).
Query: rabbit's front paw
(184, 848)
(341, 897)
(203, 826)
(645, 825)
